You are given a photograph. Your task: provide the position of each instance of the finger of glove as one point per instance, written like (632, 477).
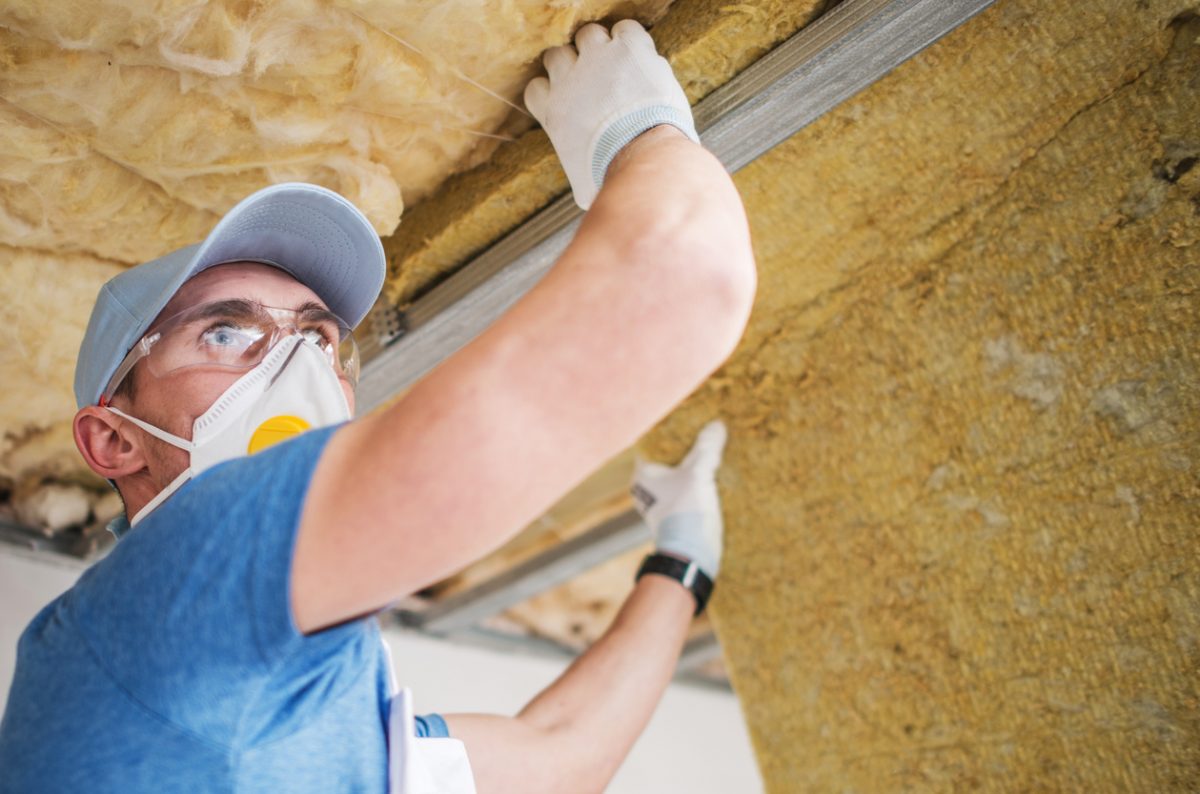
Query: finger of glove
(559, 60)
(537, 97)
(705, 455)
(633, 34)
(589, 36)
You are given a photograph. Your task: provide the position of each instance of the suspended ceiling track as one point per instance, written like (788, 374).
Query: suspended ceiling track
(459, 617)
(830, 60)
(550, 568)
(65, 549)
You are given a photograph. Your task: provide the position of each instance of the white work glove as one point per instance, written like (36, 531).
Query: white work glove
(681, 504)
(602, 97)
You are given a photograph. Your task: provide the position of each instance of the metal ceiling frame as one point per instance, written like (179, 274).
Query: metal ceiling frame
(839, 54)
(844, 51)
(535, 575)
(70, 551)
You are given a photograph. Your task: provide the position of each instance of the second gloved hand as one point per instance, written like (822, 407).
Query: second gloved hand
(681, 504)
(601, 94)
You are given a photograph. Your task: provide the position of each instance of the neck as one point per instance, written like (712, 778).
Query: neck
(139, 489)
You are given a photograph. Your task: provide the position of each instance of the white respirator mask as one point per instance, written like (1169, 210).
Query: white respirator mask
(291, 390)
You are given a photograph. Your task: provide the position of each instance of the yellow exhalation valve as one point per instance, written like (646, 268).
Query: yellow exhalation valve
(274, 430)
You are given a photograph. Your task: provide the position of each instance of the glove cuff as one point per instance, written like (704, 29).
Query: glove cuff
(616, 136)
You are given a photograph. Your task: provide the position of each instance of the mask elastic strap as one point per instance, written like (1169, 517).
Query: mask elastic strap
(174, 441)
(158, 433)
(171, 488)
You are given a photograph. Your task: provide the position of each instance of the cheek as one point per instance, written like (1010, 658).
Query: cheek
(176, 400)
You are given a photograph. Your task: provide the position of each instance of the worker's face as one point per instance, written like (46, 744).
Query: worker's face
(175, 400)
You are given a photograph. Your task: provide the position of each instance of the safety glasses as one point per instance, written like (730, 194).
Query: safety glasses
(236, 335)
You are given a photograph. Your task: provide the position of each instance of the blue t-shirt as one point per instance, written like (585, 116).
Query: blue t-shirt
(173, 664)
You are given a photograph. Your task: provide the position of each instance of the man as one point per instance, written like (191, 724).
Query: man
(224, 644)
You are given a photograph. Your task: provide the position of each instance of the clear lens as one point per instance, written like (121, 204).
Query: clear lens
(236, 335)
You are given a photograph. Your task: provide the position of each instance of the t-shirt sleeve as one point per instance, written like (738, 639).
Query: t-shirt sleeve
(431, 726)
(191, 611)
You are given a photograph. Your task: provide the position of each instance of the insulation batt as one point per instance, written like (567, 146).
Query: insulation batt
(960, 490)
(53, 507)
(127, 128)
(48, 298)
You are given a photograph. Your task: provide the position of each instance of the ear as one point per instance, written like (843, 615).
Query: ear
(104, 443)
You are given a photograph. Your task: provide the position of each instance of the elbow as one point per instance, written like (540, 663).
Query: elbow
(706, 253)
(678, 231)
(736, 286)
(727, 293)
(576, 763)
(679, 212)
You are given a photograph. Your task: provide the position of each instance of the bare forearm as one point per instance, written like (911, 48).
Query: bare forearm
(604, 700)
(582, 726)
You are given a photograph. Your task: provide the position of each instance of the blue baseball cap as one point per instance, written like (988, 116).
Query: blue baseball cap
(315, 235)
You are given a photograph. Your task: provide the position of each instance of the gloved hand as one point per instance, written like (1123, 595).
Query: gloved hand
(601, 97)
(681, 504)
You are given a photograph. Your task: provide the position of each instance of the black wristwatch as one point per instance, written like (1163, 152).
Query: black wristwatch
(685, 572)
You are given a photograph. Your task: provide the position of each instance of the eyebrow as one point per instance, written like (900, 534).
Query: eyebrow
(242, 309)
(238, 307)
(311, 311)
(235, 308)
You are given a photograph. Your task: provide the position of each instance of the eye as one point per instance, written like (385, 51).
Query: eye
(318, 337)
(229, 336)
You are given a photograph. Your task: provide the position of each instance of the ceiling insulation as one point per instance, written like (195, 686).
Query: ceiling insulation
(128, 128)
(159, 117)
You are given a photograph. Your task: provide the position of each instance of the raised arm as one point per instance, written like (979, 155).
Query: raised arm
(649, 298)
(575, 734)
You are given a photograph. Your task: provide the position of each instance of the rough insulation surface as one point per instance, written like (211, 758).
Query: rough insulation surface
(128, 128)
(961, 487)
(48, 298)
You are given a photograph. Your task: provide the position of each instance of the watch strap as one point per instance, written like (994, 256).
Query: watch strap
(686, 572)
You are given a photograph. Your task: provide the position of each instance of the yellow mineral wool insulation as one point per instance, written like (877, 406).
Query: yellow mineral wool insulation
(960, 489)
(48, 298)
(207, 101)
(578, 612)
(58, 194)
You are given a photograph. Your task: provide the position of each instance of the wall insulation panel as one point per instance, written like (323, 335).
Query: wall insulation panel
(961, 487)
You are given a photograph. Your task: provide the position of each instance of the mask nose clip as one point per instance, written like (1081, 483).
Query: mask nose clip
(289, 358)
(281, 329)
